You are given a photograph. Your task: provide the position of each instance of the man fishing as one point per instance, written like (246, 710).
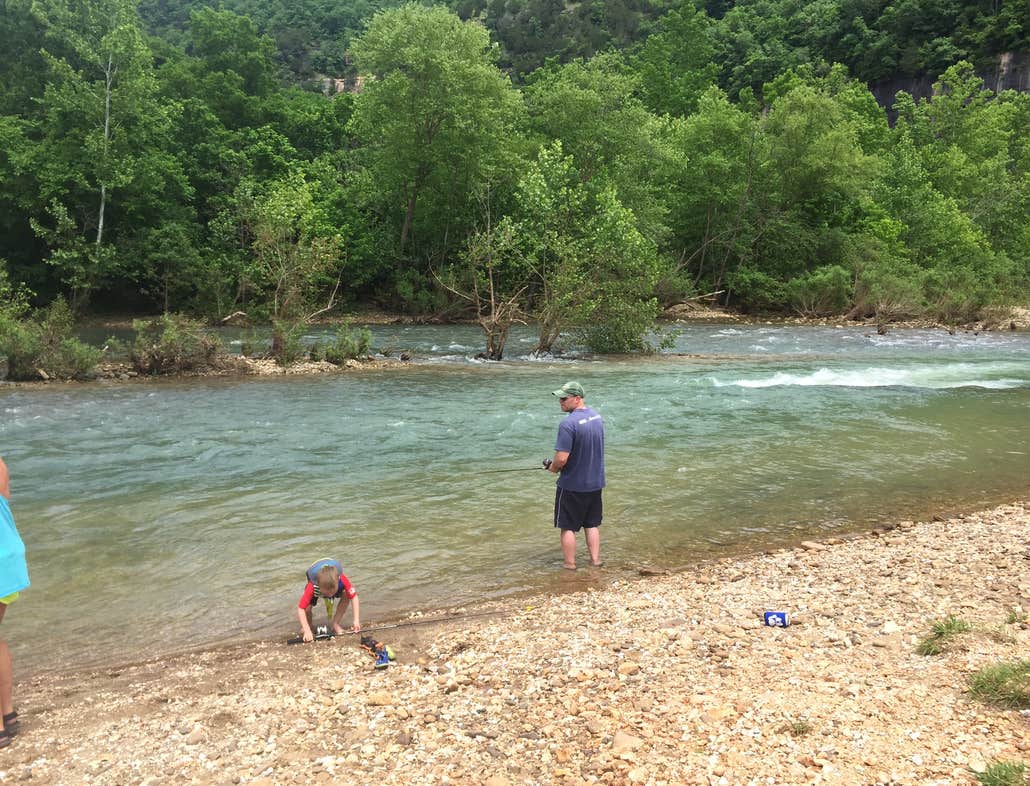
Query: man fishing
(579, 463)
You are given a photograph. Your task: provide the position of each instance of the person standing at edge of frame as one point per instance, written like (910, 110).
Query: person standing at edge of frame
(14, 577)
(579, 463)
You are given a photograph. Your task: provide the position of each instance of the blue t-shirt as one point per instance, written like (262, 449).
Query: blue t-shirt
(14, 574)
(581, 434)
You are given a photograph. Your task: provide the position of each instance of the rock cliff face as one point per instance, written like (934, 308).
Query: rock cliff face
(1011, 72)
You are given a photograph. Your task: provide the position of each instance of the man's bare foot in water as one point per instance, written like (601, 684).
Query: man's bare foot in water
(567, 566)
(597, 564)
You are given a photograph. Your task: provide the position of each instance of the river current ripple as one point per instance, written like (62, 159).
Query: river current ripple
(161, 516)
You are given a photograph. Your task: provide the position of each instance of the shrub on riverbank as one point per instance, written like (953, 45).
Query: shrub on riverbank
(172, 344)
(44, 346)
(348, 344)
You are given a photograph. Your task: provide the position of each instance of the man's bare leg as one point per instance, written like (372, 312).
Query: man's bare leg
(568, 548)
(593, 536)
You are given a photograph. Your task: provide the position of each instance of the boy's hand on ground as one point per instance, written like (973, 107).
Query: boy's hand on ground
(356, 627)
(308, 636)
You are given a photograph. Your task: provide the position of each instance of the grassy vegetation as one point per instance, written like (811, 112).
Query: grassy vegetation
(941, 633)
(796, 728)
(1005, 684)
(1003, 773)
(1015, 617)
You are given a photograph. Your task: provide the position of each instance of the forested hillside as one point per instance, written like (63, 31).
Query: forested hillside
(576, 165)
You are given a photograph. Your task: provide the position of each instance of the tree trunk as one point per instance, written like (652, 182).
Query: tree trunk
(416, 189)
(108, 85)
(409, 216)
(278, 343)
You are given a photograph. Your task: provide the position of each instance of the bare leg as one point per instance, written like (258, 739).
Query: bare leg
(568, 548)
(593, 536)
(6, 675)
(6, 681)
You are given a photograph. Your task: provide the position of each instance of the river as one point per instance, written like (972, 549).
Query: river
(166, 515)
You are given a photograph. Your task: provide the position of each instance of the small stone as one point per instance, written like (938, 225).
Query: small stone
(977, 763)
(380, 699)
(625, 742)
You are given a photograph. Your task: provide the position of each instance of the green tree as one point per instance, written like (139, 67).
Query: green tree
(434, 119)
(959, 272)
(612, 138)
(818, 190)
(493, 276)
(716, 204)
(595, 272)
(100, 137)
(295, 256)
(675, 62)
(234, 65)
(972, 146)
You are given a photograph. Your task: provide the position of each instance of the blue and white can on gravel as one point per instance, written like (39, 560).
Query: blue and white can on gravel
(777, 619)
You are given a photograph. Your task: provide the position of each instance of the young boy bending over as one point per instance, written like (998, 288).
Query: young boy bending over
(326, 580)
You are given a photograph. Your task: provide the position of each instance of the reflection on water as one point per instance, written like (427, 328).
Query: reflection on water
(171, 514)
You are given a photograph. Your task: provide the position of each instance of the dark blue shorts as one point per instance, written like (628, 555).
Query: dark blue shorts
(574, 510)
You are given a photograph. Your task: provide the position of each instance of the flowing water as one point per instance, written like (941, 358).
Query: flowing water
(167, 515)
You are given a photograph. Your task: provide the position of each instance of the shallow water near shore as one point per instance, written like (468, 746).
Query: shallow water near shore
(167, 515)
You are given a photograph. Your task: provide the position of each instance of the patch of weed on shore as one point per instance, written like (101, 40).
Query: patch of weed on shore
(941, 632)
(1005, 684)
(1015, 617)
(1003, 773)
(796, 728)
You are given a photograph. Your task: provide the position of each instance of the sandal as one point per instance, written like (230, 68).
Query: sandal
(5, 738)
(11, 723)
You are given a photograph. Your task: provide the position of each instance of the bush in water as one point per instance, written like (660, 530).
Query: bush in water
(347, 345)
(287, 344)
(172, 344)
(44, 346)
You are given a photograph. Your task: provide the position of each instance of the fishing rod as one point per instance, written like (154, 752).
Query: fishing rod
(546, 464)
(512, 469)
(392, 625)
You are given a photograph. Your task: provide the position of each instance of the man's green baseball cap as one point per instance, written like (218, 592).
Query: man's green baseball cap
(570, 389)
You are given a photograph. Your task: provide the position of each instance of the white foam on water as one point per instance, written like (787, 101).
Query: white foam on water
(940, 377)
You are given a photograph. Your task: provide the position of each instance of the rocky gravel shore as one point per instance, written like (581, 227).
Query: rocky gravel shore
(668, 679)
